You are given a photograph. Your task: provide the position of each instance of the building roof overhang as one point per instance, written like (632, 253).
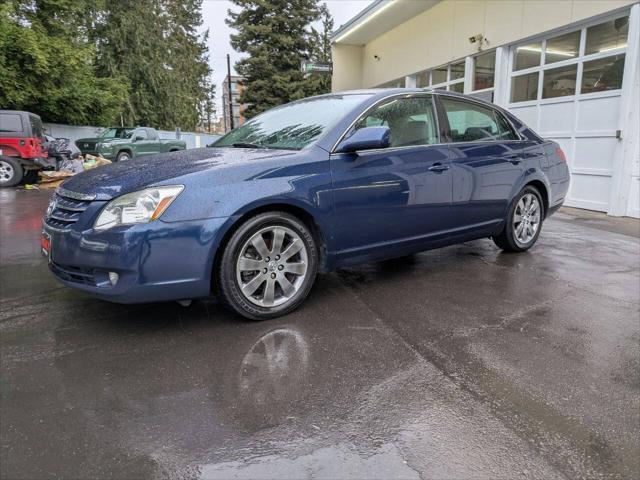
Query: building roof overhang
(378, 18)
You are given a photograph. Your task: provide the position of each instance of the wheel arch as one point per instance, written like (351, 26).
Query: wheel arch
(304, 214)
(544, 193)
(124, 149)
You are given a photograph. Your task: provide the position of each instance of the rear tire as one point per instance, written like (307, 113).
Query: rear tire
(259, 276)
(123, 157)
(11, 172)
(523, 223)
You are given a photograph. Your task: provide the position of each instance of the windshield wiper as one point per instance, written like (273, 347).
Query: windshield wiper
(246, 145)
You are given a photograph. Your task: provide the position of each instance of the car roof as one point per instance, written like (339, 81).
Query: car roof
(383, 92)
(20, 112)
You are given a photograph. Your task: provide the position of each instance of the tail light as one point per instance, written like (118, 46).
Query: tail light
(561, 154)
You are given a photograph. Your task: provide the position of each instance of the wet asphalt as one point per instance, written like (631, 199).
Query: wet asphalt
(463, 362)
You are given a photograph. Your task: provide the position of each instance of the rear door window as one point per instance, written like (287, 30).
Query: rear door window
(11, 122)
(152, 134)
(470, 122)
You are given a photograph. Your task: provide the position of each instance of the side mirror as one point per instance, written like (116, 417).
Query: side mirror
(367, 138)
(138, 138)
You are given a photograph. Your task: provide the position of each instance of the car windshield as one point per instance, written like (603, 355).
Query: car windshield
(292, 126)
(117, 133)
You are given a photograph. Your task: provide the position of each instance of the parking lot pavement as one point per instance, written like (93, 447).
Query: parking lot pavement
(460, 362)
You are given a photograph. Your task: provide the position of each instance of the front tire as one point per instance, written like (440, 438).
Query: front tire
(268, 266)
(11, 172)
(523, 223)
(123, 157)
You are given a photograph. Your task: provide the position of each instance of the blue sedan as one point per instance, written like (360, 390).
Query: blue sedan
(324, 182)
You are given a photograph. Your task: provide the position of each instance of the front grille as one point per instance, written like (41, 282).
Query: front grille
(66, 211)
(87, 146)
(73, 274)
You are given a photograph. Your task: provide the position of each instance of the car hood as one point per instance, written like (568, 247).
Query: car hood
(109, 181)
(89, 140)
(80, 141)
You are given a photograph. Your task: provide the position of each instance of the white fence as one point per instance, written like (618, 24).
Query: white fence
(73, 132)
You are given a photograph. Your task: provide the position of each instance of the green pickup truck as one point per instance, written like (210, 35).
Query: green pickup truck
(120, 144)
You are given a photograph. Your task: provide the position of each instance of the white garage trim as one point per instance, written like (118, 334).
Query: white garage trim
(625, 198)
(599, 156)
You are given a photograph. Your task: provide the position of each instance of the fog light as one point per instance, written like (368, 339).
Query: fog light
(113, 278)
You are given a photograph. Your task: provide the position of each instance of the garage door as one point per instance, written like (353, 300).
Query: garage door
(568, 88)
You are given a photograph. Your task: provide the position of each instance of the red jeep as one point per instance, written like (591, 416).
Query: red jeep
(21, 146)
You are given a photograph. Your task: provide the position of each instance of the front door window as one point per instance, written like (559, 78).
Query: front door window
(411, 121)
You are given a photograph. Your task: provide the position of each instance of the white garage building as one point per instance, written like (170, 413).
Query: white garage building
(568, 68)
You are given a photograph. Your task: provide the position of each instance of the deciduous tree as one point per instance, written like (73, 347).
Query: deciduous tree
(47, 63)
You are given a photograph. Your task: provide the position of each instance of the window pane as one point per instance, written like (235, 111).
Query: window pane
(10, 122)
(559, 82)
(527, 56)
(411, 121)
(607, 36)
(457, 70)
(562, 48)
(602, 74)
(457, 87)
(398, 83)
(483, 70)
(486, 96)
(439, 75)
(294, 125)
(422, 79)
(469, 122)
(36, 126)
(524, 87)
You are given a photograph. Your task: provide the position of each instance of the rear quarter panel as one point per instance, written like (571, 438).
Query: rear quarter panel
(542, 163)
(556, 170)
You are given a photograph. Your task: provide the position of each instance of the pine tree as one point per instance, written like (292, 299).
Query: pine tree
(276, 36)
(154, 45)
(208, 107)
(188, 63)
(321, 52)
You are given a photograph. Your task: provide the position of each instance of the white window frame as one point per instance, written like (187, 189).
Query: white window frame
(472, 66)
(579, 60)
(448, 82)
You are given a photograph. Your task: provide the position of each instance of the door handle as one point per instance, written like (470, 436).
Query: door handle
(514, 158)
(438, 167)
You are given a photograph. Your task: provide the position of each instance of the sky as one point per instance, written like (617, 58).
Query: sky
(214, 13)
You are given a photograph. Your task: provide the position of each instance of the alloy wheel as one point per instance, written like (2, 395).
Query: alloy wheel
(272, 266)
(6, 172)
(526, 218)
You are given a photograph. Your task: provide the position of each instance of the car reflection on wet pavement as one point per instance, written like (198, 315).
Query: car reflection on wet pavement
(458, 363)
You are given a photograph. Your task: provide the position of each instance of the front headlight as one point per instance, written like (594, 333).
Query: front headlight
(137, 207)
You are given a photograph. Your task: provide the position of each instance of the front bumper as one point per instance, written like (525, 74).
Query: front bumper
(158, 261)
